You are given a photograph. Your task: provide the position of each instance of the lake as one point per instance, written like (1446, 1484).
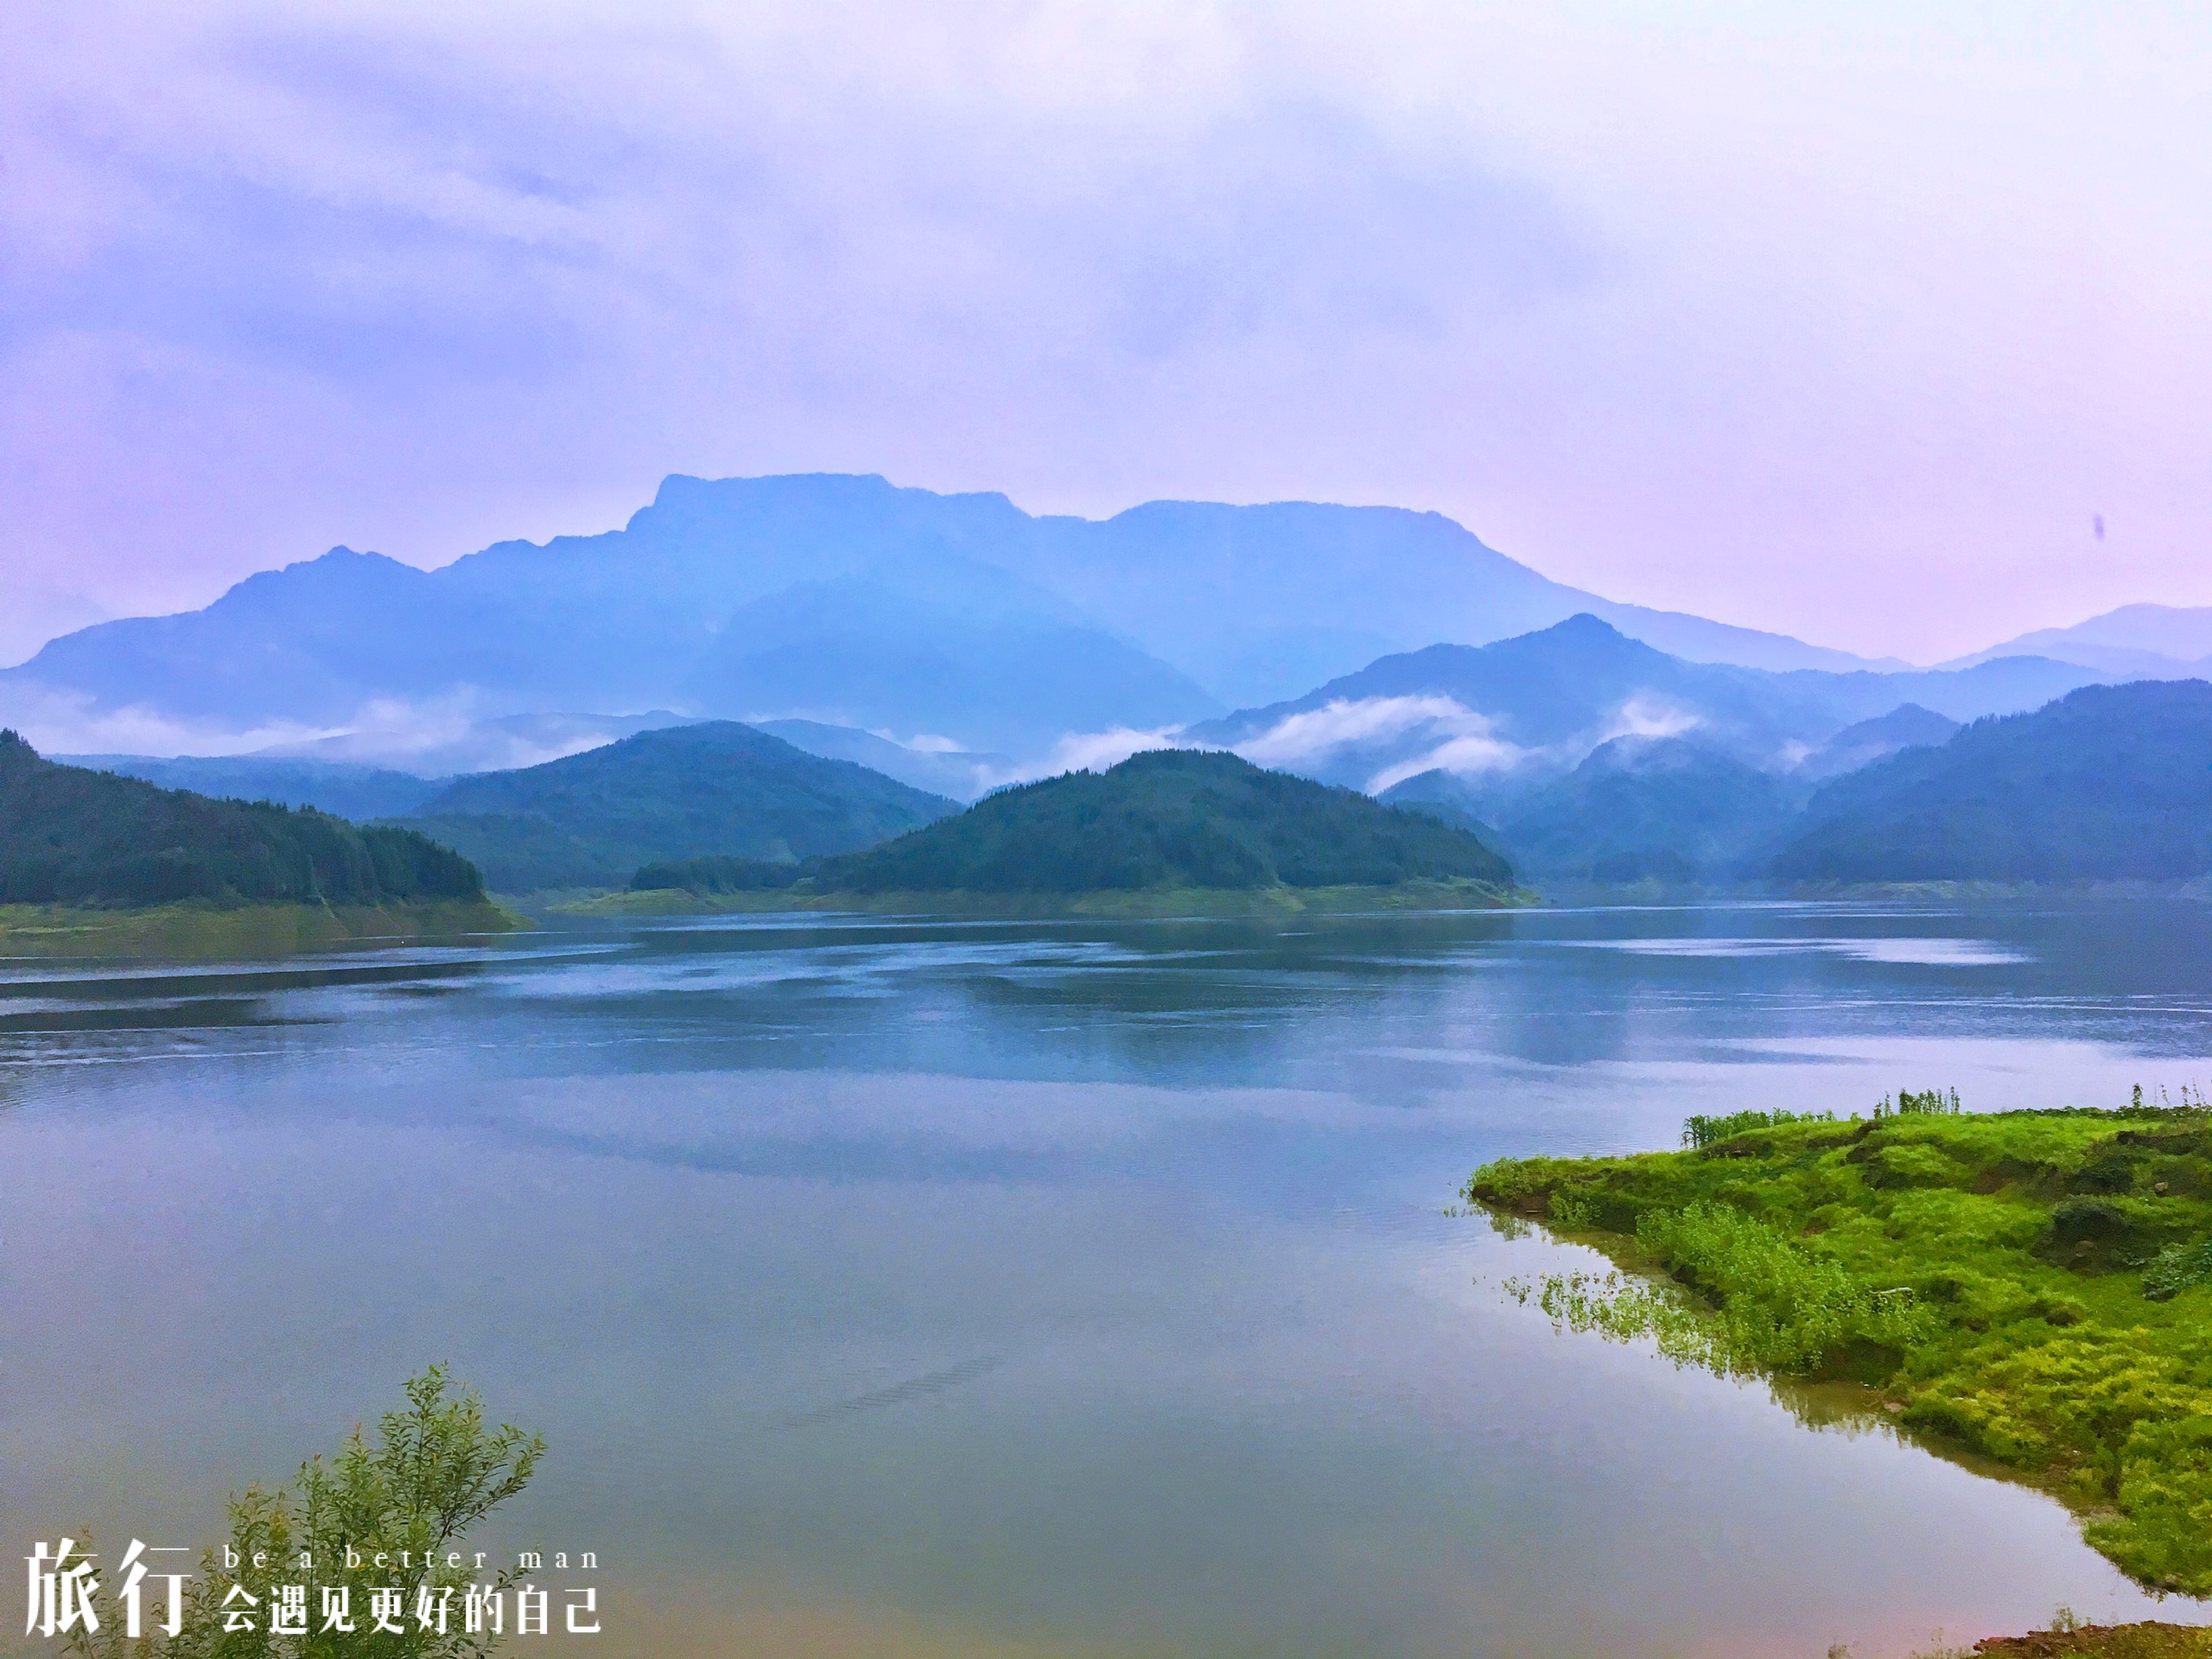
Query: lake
(928, 1287)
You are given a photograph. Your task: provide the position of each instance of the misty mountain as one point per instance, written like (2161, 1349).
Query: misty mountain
(1642, 808)
(2151, 642)
(962, 774)
(1257, 602)
(2109, 783)
(1157, 615)
(683, 792)
(1534, 706)
(979, 657)
(1907, 726)
(1172, 817)
(337, 787)
(443, 747)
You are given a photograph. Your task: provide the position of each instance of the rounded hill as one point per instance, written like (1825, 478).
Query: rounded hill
(1169, 818)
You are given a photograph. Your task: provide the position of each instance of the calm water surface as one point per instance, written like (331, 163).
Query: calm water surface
(918, 1288)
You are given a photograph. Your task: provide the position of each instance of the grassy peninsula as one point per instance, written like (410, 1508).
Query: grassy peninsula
(2034, 1287)
(1173, 832)
(92, 864)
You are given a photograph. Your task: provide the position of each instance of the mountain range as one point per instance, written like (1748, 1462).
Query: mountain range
(2112, 783)
(951, 644)
(844, 601)
(1525, 710)
(2150, 642)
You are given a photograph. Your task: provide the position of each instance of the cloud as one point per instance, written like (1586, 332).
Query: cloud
(59, 722)
(1348, 731)
(1089, 752)
(1645, 715)
(1341, 721)
(1466, 756)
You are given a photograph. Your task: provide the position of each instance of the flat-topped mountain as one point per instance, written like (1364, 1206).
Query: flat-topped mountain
(849, 600)
(2110, 783)
(714, 788)
(1169, 818)
(73, 836)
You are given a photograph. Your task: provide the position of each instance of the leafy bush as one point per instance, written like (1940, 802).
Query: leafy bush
(1928, 1102)
(432, 1473)
(2175, 1268)
(1700, 1131)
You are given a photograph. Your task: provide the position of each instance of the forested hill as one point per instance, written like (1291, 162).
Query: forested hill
(715, 787)
(1172, 817)
(2111, 783)
(68, 835)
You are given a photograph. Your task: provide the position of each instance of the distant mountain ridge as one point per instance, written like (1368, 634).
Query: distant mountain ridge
(2161, 642)
(1536, 704)
(956, 617)
(2112, 783)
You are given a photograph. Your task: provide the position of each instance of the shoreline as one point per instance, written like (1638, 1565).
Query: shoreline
(1134, 903)
(195, 928)
(2024, 1288)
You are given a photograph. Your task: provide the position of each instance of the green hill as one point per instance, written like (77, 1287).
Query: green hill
(1661, 808)
(72, 836)
(718, 788)
(2109, 783)
(1171, 819)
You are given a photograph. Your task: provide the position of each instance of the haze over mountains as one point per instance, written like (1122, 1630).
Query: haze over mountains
(2151, 642)
(844, 601)
(955, 644)
(1536, 705)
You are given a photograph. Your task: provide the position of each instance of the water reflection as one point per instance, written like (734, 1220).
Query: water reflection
(905, 1286)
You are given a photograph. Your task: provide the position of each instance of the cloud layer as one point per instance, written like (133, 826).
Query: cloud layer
(1774, 314)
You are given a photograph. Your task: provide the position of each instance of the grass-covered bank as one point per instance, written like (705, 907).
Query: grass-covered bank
(2036, 1286)
(1134, 903)
(2150, 1640)
(200, 930)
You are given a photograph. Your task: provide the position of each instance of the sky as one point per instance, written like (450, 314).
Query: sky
(1847, 321)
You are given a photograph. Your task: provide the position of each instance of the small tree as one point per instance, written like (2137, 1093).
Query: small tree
(373, 1518)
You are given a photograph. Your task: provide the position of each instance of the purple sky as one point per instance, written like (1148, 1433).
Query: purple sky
(1834, 320)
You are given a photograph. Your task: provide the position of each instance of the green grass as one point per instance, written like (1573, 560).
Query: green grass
(2068, 1639)
(197, 928)
(1136, 903)
(2034, 1287)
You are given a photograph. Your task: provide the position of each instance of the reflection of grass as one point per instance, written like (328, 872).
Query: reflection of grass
(199, 928)
(2021, 1284)
(1136, 903)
